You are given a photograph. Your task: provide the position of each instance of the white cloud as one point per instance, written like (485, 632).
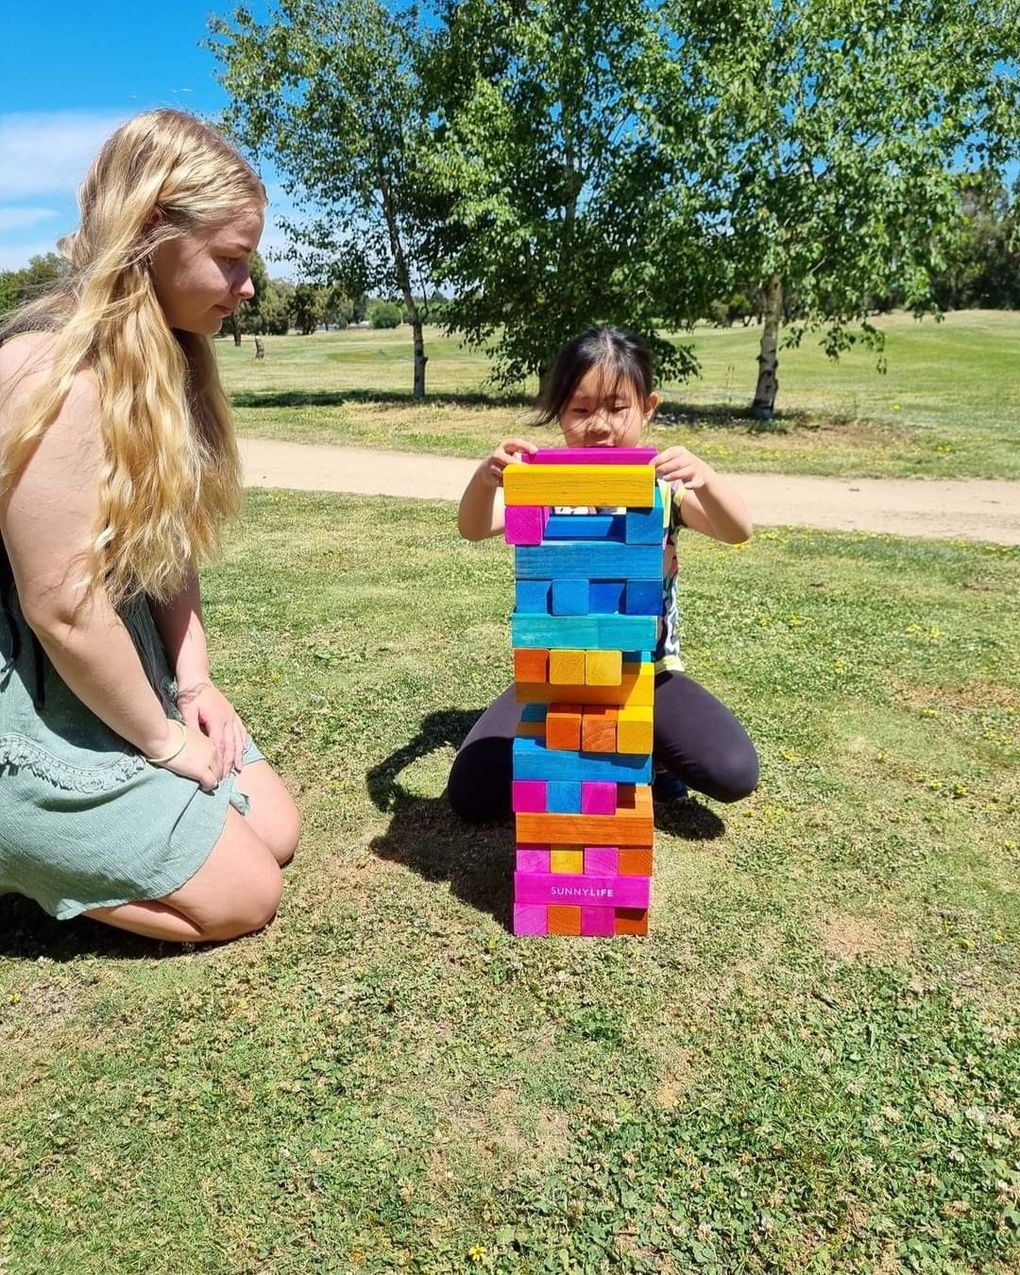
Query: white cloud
(47, 153)
(23, 218)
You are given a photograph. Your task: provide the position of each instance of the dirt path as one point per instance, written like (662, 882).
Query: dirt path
(970, 509)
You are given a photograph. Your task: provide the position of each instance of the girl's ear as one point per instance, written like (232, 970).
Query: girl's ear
(652, 405)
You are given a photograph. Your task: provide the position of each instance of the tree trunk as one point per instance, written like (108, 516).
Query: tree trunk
(764, 405)
(420, 357)
(235, 328)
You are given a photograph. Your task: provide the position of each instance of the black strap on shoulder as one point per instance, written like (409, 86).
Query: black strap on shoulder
(7, 587)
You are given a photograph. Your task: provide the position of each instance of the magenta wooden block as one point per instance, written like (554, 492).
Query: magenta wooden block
(532, 858)
(594, 456)
(598, 923)
(525, 524)
(572, 890)
(533, 918)
(601, 861)
(598, 798)
(529, 796)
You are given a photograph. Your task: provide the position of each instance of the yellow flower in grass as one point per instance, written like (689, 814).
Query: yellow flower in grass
(477, 1252)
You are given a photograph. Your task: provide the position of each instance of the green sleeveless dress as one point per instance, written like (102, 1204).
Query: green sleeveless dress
(85, 820)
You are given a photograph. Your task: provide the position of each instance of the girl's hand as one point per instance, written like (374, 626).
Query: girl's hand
(504, 455)
(677, 464)
(208, 710)
(198, 760)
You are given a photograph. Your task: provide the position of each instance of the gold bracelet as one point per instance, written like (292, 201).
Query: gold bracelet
(161, 761)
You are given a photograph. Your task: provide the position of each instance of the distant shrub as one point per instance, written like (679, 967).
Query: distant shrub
(385, 314)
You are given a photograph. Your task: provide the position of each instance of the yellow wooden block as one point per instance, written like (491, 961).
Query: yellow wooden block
(603, 668)
(571, 861)
(634, 730)
(605, 485)
(531, 730)
(637, 688)
(566, 667)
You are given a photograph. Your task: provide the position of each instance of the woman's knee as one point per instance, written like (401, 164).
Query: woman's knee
(479, 786)
(735, 775)
(251, 908)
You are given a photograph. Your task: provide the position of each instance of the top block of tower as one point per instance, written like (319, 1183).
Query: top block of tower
(601, 485)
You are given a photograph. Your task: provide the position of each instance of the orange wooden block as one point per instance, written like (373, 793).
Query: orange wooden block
(625, 828)
(637, 687)
(636, 862)
(628, 921)
(566, 668)
(531, 666)
(563, 730)
(598, 729)
(566, 920)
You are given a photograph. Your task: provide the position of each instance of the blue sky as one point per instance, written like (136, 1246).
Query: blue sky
(69, 74)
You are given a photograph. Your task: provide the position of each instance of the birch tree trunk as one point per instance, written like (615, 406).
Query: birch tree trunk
(764, 405)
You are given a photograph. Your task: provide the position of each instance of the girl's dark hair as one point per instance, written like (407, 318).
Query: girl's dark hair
(622, 355)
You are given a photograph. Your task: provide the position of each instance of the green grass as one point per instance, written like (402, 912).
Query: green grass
(948, 406)
(810, 1065)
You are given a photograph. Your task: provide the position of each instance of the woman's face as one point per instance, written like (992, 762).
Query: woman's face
(605, 412)
(200, 279)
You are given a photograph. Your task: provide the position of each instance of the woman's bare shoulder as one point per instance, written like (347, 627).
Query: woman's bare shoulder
(26, 360)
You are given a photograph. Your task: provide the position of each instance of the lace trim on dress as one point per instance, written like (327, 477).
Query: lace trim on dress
(18, 751)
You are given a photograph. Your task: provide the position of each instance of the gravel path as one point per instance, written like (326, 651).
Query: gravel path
(970, 509)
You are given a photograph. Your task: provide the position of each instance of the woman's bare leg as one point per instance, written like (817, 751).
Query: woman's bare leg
(272, 813)
(236, 891)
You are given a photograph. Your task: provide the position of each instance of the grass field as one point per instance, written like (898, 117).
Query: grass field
(948, 406)
(811, 1065)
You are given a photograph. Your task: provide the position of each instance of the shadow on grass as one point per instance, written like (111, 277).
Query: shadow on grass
(397, 398)
(476, 859)
(27, 932)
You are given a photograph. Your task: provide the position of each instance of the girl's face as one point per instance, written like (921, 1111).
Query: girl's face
(200, 279)
(605, 412)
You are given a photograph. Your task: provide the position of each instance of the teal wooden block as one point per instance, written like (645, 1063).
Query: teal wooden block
(532, 760)
(584, 632)
(534, 712)
(588, 560)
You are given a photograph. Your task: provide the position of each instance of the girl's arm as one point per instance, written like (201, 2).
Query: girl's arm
(710, 503)
(47, 522)
(201, 705)
(482, 512)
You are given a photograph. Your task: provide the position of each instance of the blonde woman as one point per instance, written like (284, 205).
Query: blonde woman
(130, 790)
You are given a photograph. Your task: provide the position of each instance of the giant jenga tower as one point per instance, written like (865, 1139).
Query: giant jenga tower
(589, 603)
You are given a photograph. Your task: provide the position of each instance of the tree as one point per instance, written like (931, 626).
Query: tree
(385, 314)
(833, 133)
(19, 286)
(563, 212)
(307, 307)
(983, 269)
(248, 317)
(334, 95)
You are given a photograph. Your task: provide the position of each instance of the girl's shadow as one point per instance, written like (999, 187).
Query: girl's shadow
(426, 836)
(477, 859)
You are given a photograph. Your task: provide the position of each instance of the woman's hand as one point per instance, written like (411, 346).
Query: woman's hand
(198, 759)
(677, 464)
(504, 455)
(208, 711)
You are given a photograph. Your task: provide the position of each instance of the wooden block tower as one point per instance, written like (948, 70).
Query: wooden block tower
(588, 609)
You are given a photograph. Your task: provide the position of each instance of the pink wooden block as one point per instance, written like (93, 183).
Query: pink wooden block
(573, 890)
(532, 858)
(525, 524)
(533, 918)
(529, 796)
(598, 798)
(601, 861)
(593, 456)
(599, 923)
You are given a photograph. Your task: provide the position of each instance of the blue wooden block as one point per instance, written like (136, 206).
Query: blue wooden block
(606, 596)
(534, 712)
(586, 527)
(637, 657)
(532, 760)
(533, 596)
(588, 560)
(643, 597)
(563, 797)
(583, 632)
(569, 597)
(646, 526)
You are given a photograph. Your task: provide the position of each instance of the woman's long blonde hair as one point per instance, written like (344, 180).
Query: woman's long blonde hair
(171, 473)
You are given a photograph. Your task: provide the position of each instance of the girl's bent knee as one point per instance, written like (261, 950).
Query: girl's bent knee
(251, 909)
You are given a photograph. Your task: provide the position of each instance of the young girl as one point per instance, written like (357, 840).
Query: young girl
(129, 788)
(600, 391)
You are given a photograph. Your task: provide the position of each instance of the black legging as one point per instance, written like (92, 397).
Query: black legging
(696, 737)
